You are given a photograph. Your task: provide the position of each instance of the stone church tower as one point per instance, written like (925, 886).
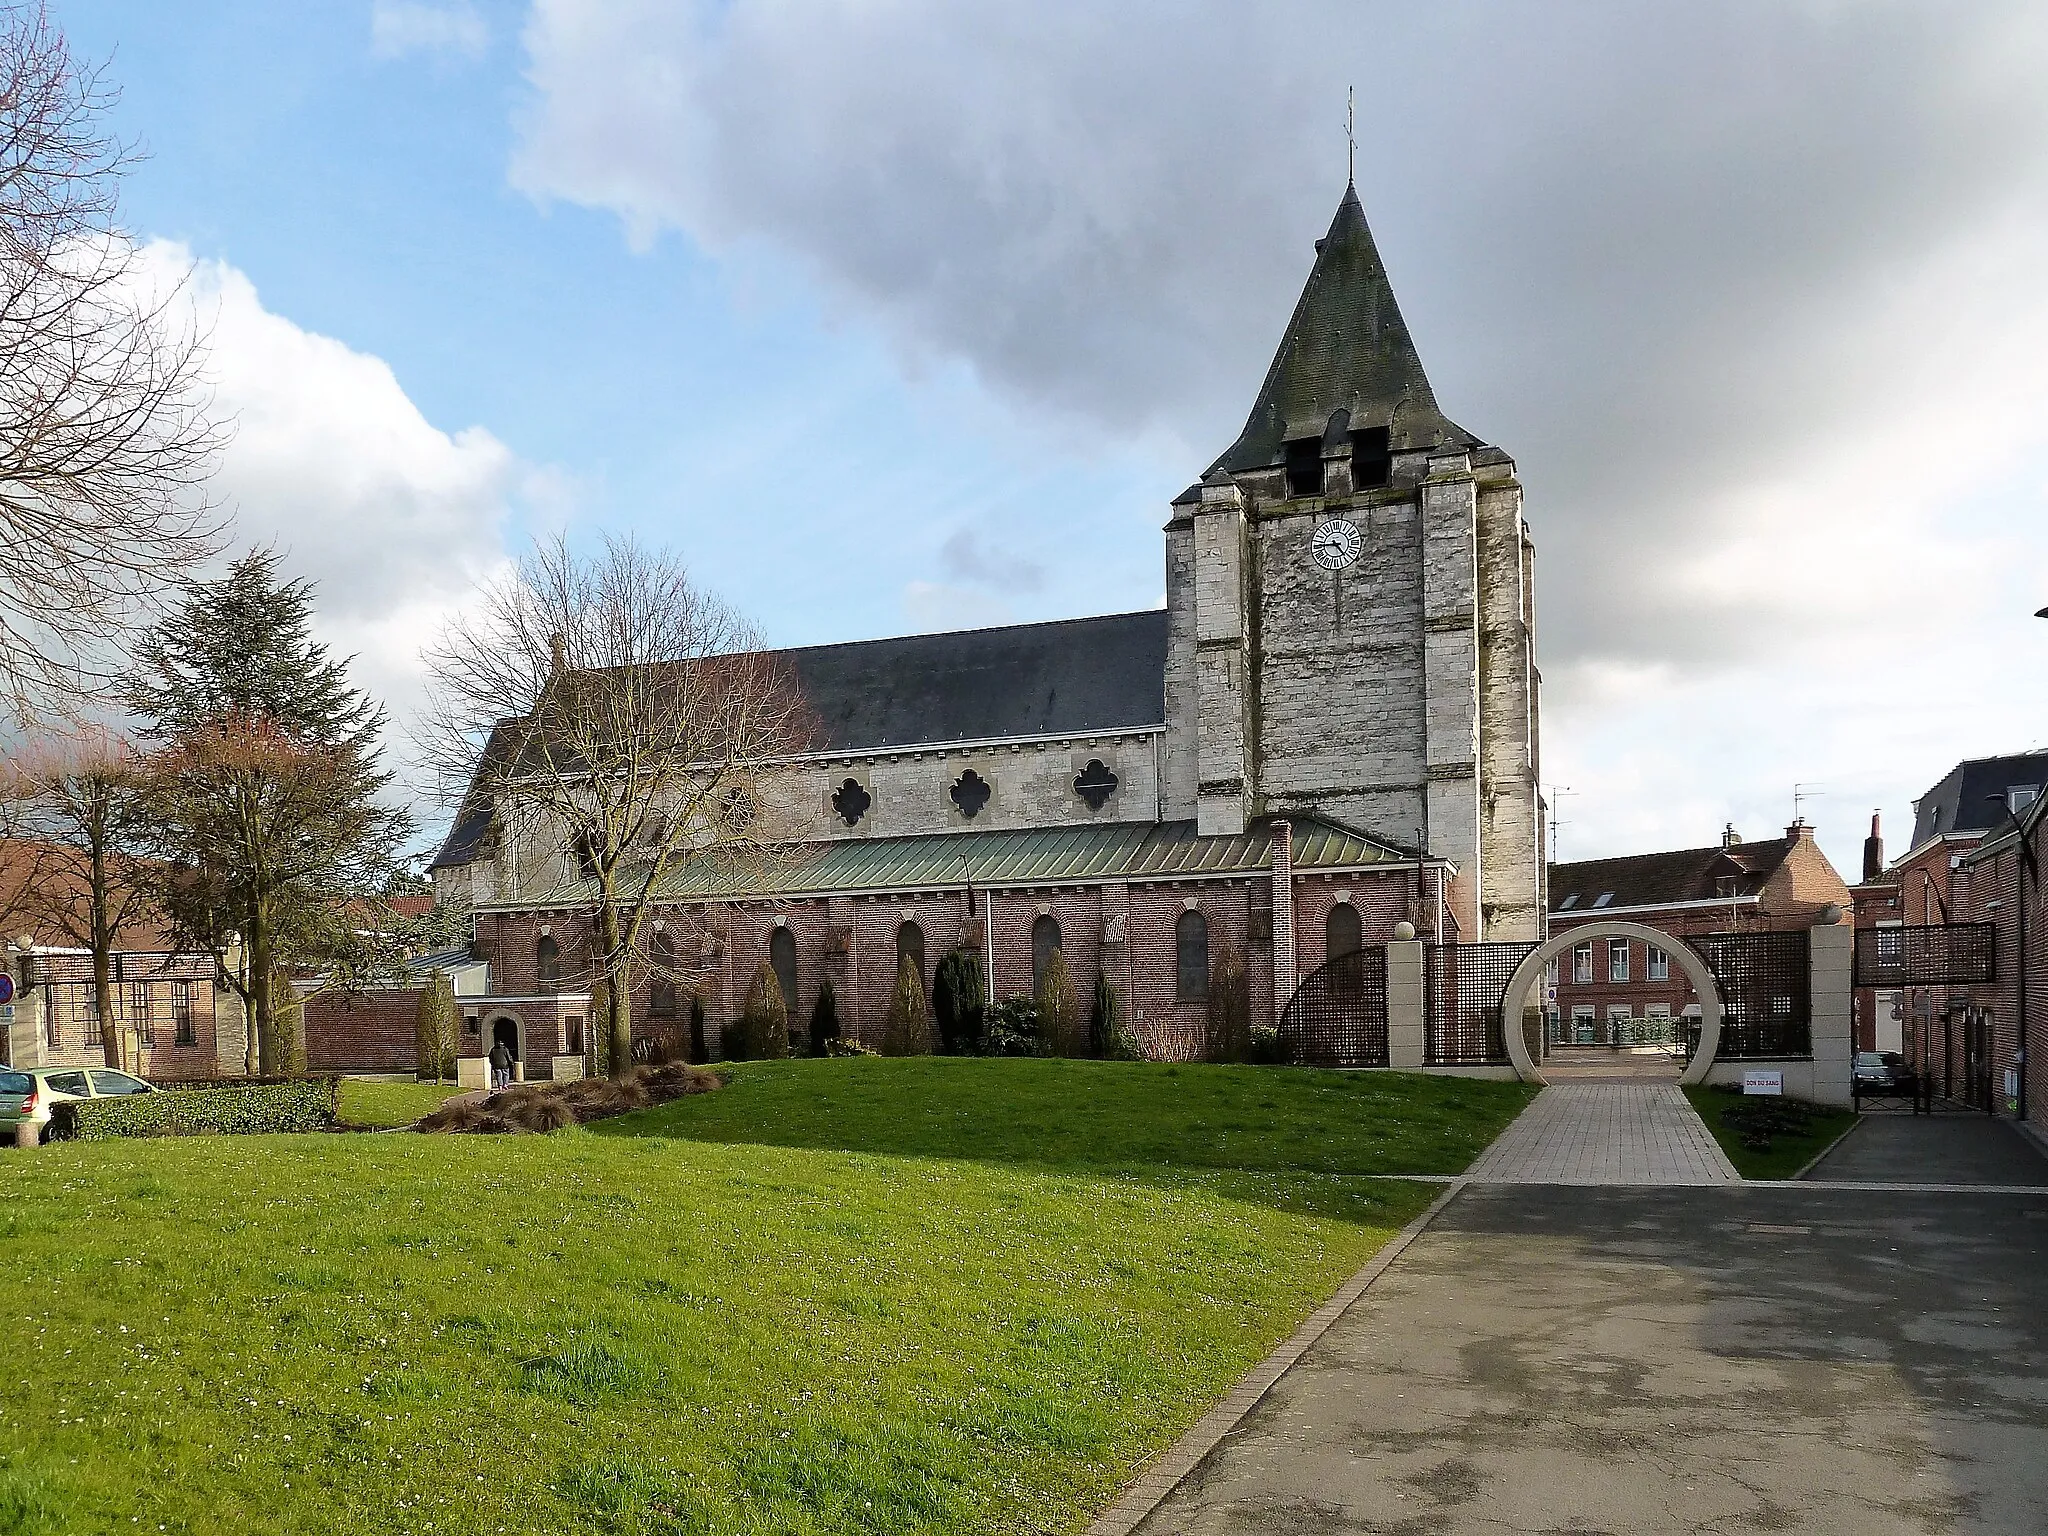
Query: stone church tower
(1351, 609)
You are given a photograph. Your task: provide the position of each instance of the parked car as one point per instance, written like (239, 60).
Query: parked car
(28, 1095)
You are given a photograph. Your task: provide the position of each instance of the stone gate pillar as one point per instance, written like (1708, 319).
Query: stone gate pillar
(1407, 1016)
(1832, 954)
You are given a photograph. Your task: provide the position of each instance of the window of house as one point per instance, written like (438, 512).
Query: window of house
(1045, 938)
(1569, 902)
(1660, 964)
(1603, 898)
(1617, 959)
(782, 961)
(1582, 962)
(661, 983)
(1582, 1026)
(2020, 796)
(53, 1032)
(1550, 972)
(181, 1013)
(1725, 885)
(471, 1025)
(910, 941)
(547, 960)
(1305, 466)
(88, 1003)
(138, 1012)
(572, 1034)
(1191, 957)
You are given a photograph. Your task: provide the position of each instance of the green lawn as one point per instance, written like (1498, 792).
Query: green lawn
(1788, 1154)
(386, 1104)
(1100, 1114)
(627, 1332)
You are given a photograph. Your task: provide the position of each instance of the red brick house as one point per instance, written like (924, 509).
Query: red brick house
(1990, 1040)
(1965, 1037)
(1606, 990)
(178, 1024)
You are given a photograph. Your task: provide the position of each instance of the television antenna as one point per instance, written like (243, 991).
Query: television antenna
(1801, 793)
(1554, 794)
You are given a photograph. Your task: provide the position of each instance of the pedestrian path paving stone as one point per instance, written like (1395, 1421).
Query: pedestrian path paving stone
(1606, 1133)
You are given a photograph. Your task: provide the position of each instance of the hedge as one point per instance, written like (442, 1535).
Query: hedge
(296, 1104)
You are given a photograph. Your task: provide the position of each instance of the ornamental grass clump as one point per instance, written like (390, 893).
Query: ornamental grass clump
(764, 1018)
(537, 1108)
(908, 1029)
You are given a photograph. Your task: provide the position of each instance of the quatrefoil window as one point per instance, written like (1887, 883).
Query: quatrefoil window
(851, 801)
(1096, 783)
(971, 793)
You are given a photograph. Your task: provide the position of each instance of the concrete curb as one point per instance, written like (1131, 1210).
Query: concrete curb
(1814, 1161)
(1145, 1493)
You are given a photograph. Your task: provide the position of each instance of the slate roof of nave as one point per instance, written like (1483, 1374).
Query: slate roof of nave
(1066, 677)
(1346, 349)
(1128, 850)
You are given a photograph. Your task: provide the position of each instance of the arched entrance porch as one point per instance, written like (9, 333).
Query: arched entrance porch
(1531, 970)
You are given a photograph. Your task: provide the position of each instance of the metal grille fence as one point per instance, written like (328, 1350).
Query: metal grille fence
(1942, 954)
(1766, 985)
(1463, 989)
(1338, 1016)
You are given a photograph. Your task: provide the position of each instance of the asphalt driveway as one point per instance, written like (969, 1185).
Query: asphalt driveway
(1709, 1359)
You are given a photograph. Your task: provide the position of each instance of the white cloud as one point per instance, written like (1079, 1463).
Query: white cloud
(1751, 292)
(399, 28)
(393, 517)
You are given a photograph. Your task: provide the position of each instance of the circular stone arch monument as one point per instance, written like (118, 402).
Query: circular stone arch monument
(1531, 969)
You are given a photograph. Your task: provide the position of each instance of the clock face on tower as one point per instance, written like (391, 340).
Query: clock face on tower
(1336, 543)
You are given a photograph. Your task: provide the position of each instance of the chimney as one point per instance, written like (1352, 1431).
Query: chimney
(1799, 831)
(1873, 853)
(1729, 836)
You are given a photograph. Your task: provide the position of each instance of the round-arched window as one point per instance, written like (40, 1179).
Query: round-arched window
(782, 960)
(1045, 938)
(661, 985)
(1191, 954)
(1341, 945)
(547, 960)
(910, 941)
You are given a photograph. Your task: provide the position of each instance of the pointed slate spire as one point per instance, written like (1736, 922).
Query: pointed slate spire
(1346, 349)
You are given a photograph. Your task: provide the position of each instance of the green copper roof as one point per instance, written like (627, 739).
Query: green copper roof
(1346, 349)
(1036, 856)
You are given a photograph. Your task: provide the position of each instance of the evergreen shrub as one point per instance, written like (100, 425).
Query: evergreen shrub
(908, 1029)
(825, 1020)
(434, 1027)
(699, 1051)
(765, 1017)
(959, 1002)
(1229, 1023)
(1060, 1024)
(261, 1109)
(1013, 1029)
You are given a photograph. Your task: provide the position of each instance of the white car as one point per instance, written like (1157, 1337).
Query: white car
(28, 1095)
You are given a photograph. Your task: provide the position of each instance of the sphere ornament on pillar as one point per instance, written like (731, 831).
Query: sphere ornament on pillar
(1403, 932)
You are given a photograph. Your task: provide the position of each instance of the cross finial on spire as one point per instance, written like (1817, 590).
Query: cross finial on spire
(1350, 137)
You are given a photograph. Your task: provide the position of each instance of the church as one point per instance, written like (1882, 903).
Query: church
(1331, 729)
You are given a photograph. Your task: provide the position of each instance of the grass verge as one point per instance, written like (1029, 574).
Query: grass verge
(1788, 1154)
(388, 1104)
(671, 1332)
(1099, 1114)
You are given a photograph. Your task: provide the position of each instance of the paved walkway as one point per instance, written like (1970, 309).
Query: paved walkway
(1704, 1360)
(1606, 1133)
(1893, 1147)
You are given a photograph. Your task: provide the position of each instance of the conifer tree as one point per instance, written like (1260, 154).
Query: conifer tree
(908, 1029)
(764, 1017)
(264, 793)
(1059, 1010)
(957, 1001)
(700, 1050)
(824, 1021)
(1230, 1007)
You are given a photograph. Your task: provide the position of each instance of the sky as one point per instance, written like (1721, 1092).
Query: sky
(915, 314)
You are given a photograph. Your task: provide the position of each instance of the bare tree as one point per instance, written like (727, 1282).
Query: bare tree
(106, 432)
(618, 724)
(81, 862)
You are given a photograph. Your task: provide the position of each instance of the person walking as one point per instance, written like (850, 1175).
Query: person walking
(501, 1066)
